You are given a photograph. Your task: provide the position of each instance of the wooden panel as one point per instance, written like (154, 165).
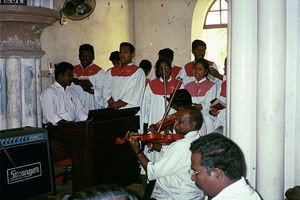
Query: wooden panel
(96, 159)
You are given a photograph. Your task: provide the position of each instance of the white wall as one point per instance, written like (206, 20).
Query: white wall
(111, 23)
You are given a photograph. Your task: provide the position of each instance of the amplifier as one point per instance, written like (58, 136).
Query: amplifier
(25, 164)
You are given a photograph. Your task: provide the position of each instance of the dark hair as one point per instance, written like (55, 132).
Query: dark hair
(61, 68)
(182, 98)
(197, 43)
(195, 115)
(127, 44)
(145, 65)
(103, 192)
(204, 63)
(114, 56)
(87, 47)
(159, 61)
(217, 151)
(166, 53)
(293, 193)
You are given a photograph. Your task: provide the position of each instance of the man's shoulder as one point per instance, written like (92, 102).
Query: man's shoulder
(49, 90)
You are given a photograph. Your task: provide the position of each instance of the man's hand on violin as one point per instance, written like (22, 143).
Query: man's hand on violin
(134, 143)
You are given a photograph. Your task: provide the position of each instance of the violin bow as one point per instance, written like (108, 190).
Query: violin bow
(169, 105)
(165, 87)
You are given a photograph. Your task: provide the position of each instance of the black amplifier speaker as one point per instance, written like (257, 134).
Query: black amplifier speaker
(25, 164)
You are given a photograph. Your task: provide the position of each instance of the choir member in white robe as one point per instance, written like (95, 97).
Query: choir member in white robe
(124, 85)
(203, 91)
(154, 104)
(198, 50)
(91, 97)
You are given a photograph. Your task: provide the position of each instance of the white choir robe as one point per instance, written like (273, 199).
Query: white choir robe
(96, 100)
(203, 92)
(126, 84)
(153, 107)
(220, 120)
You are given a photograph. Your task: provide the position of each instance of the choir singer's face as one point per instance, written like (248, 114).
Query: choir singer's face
(199, 52)
(125, 55)
(199, 71)
(86, 58)
(164, 68)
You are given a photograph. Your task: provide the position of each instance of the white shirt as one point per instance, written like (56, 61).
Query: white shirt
(171, 172)
(238, 191)
(129, 89)
(59, 103)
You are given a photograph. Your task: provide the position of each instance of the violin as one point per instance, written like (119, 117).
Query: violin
(169, 121)
(157, 138)
(154, 138)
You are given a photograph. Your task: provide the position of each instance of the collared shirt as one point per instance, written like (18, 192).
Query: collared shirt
(171, 172)
(237, 191)
(59, 103)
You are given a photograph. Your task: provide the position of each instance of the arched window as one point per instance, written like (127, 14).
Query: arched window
(217, 15)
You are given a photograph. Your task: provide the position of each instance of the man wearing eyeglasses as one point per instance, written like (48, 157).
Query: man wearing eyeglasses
(217, 167)
(171, 170)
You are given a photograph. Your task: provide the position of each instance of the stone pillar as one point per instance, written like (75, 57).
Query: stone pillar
(271, 98)
(20, 54)
(242, 80)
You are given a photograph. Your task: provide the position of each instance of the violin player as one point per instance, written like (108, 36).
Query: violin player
(171, 170)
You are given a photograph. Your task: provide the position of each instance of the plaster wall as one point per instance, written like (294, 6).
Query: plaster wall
(111, 23)
(164, 24)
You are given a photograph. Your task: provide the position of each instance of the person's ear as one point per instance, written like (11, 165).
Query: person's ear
(132, 54)
(194, 124)
(218, 174)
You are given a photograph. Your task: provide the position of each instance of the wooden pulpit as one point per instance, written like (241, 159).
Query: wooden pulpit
(96, 159)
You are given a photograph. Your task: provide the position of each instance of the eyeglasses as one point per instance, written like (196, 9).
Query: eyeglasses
(192, 172)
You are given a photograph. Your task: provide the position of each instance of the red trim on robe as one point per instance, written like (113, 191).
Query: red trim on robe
(189, 67)
(199, 89)
(89, 71)
(175, 71)
(124, 71)
(157, 86)
(223, 89)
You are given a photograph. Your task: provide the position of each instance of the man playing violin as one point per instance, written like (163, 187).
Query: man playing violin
(171, 170)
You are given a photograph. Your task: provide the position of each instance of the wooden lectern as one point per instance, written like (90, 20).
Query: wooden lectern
(96, 159)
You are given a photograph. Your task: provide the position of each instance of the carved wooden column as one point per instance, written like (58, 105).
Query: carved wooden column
(20, 63)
